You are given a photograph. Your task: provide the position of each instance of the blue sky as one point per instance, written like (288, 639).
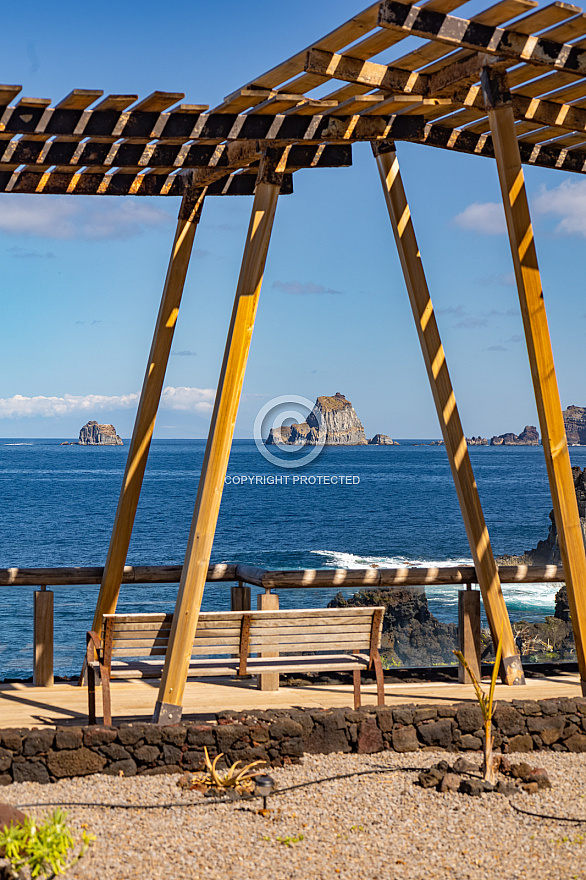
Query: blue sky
(82, 277)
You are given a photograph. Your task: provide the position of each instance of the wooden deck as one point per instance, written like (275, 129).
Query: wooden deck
(23, 705)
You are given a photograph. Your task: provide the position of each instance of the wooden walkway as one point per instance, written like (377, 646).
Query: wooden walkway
(23, 705)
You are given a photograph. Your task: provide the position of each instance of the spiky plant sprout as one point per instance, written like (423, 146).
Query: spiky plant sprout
(235, 776)
(487, 707)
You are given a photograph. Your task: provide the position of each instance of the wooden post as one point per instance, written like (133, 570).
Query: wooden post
(469, 632)
(43, 638)
(449, 418)
(144, 424)
(498, 103)
(240, 597)
(268, 681)
(209, 493)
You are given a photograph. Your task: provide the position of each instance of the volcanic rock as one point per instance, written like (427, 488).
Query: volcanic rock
(411, 633)
(93, 434)
(476, 441)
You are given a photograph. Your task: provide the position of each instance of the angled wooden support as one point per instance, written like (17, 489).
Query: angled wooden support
(445, 402)
(207, 505)
(189, 215)
(555, 446)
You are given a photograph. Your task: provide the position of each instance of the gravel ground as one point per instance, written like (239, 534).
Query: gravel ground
(373, 826)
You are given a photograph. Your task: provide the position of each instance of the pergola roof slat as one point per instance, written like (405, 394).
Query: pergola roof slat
(119, 144)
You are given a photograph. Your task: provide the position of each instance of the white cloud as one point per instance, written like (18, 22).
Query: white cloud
(488, 218)
(568, 201)
(199, 400)
(65, 217)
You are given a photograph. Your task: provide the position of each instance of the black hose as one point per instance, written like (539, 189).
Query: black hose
(223, 800)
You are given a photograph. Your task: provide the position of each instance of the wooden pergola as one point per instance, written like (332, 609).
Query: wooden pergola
(508, 84)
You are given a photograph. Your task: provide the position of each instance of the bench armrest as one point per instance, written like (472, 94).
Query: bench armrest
(93, 647)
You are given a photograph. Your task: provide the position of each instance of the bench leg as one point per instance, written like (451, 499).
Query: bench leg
(356, 681)
(380, 678)
(106, 698)
(91, 695)
(268, 681)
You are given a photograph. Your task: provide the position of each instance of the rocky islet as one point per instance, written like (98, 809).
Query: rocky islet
(338, 418)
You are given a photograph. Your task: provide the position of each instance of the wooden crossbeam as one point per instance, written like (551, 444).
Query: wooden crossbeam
(542, 155)
(460, 32)
(390, 78)
(96, 181)
(124, 184)
(178, 126)
(96, 154)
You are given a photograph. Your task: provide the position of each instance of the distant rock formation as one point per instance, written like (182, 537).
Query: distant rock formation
(382, 440)
(93, 434)
(476, 441)
(529, 436)
(338, 418)
(575, 422)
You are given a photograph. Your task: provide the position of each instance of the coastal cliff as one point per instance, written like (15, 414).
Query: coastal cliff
(339, 421)
(529, 436)
(575, 422)
(93, 434)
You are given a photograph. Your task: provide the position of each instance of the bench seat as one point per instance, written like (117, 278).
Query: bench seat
(238, 643)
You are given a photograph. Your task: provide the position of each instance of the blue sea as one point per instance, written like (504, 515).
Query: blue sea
(396, 506)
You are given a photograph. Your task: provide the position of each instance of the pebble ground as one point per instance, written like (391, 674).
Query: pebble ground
(368, 827)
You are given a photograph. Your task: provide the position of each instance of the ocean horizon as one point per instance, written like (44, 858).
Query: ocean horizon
(398, 508)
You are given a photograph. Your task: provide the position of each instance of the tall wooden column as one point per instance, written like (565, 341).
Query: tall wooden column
(498, 103)
(189, 215)
(168, 708)
(445, 402)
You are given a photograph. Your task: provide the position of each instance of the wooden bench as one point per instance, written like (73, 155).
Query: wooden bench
(229, 643)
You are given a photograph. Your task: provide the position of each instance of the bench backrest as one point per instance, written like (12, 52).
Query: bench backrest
(248, 632)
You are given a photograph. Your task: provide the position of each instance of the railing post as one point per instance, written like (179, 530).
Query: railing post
(240, 597)
(469, 632)
(268, 681)
(43, 638)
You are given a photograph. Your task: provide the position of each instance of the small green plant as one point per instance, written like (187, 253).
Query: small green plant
(487, 707)
(44, 846)
(289, 841)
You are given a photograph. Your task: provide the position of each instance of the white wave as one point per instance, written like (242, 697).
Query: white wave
(533, 597)
(18, 444)
(338, 559)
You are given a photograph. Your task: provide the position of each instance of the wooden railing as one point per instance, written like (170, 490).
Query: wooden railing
(245, 575)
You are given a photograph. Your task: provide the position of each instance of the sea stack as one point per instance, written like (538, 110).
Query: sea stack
(339, 420)
(93, 434)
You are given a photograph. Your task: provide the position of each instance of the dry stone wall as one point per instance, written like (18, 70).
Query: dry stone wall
(283, 736)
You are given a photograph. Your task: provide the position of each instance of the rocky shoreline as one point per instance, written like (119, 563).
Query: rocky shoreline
(413, 636)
